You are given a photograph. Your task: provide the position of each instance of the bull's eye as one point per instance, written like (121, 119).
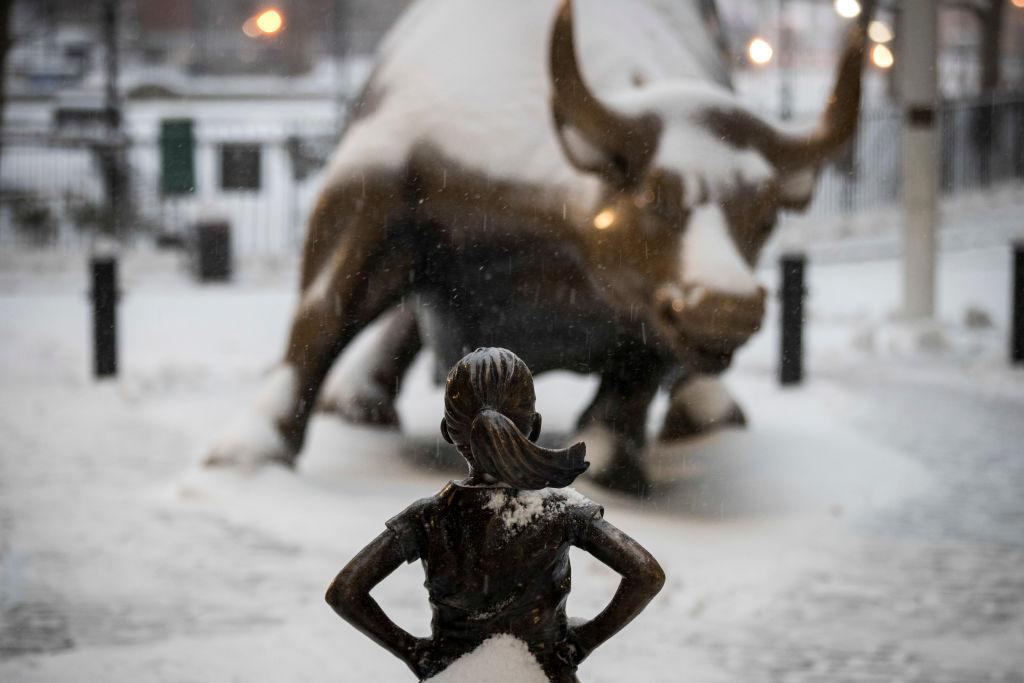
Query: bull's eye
(604, 219)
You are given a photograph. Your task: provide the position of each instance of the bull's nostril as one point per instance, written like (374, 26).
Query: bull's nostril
(670, 301)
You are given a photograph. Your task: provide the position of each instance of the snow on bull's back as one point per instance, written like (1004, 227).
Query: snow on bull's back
(492, 112)
(499, 659)
(517, 509)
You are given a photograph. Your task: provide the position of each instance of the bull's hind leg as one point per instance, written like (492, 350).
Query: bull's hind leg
(614, 425)
(699, 404)
(366, 391)
(365, 273)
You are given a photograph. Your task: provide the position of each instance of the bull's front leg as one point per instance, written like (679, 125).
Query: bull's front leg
(368, 395)
(614, 425)
(366, 272)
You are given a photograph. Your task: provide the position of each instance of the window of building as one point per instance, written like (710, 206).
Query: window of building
(240, 166)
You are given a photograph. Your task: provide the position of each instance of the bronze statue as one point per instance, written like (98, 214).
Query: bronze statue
(495, 546)
(597, 202)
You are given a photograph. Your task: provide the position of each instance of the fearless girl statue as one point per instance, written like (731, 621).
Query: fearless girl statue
(495, 545)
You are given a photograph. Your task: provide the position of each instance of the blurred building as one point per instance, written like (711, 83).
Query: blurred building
(57, 42)
(254, 113)
(228, 121)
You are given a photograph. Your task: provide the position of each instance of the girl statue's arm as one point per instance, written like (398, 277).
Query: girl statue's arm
(349, 596)
(642, 578)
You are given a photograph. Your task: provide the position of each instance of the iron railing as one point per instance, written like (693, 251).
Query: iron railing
(52, 190)
(981, 144)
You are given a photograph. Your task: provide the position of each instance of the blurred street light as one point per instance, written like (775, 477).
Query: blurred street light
(882, 57)
(1018, 3)
(847, 9)
(760, 51)
(270, 21)
(880, 32)
(266, 23)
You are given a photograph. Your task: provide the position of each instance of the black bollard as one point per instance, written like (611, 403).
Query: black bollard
(104, 315)
(791, 328)
(1017, 315)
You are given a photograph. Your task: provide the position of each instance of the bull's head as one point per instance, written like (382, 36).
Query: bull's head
(693, 184)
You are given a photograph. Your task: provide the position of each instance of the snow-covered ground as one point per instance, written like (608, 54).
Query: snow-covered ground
(867, 526)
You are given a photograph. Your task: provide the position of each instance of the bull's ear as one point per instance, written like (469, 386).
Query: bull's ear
(594, 138)
(793, 152)
(796, 188)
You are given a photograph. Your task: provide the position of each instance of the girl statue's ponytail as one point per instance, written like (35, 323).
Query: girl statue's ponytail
(503, 451)
(489, 404)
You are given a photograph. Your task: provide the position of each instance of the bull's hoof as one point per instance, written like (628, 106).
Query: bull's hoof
(365, 407)
(698, 406)
(679, 425)
(613, 463)
(671, 458)
(249, 443)
(625, 476)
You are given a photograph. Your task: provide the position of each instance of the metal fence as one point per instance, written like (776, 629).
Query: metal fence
(263, 180)
(49, 193)
(981, 144)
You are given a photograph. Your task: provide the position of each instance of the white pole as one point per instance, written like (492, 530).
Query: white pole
(919, 87)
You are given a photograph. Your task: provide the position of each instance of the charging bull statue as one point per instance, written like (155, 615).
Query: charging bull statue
(594, 197)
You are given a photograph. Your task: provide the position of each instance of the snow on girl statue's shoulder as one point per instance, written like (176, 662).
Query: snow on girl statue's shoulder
(495, 546)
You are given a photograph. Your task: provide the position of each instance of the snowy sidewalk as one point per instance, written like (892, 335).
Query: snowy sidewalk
(866, 527)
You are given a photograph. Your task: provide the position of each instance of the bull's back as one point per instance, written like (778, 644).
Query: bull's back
(470, 78)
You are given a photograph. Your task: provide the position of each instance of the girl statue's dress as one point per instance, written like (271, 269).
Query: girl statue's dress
(495, 546)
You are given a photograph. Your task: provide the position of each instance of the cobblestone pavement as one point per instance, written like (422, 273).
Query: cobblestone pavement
(932, 591)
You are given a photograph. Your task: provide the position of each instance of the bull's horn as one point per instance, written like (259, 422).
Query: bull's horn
(624, 145)
(793, 151)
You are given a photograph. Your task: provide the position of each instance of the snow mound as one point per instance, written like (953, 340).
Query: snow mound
(252, 439)
(248, 442)
(499, 659)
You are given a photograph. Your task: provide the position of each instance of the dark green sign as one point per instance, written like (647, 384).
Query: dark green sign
(177, 157)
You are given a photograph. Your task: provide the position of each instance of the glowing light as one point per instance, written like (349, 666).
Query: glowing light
(270, 21)
(880, 32)
(882, 57)
(1018, 3)
(760, 51)
(250, 28)
(604, 220)
(847, 9)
